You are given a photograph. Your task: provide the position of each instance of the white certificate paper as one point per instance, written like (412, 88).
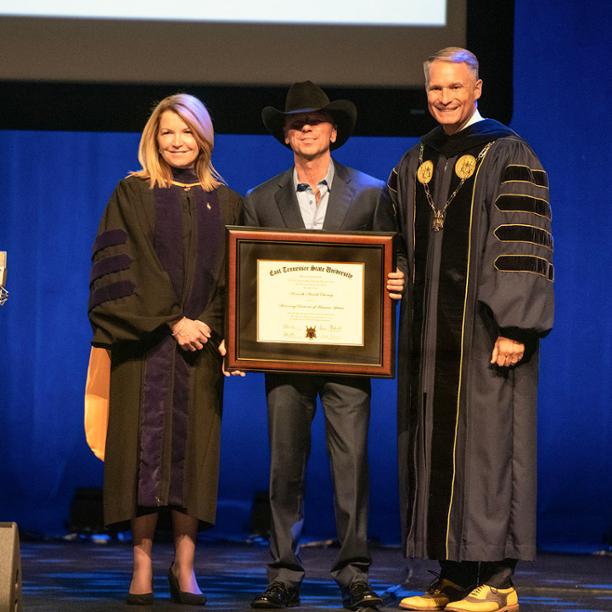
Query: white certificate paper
(310, 302)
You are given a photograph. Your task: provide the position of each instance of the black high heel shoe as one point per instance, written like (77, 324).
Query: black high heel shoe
(142, 599)
(183, 597)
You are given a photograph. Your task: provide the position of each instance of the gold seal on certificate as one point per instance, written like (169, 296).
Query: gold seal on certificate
(323, 298)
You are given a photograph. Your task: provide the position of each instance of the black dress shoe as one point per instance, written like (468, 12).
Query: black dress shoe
(277, 595)
(143, 599)
(360, 595)
(183, 597)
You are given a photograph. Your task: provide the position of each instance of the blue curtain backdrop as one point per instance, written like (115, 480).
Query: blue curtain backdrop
(56, 185)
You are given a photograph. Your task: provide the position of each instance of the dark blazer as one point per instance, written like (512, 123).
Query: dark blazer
(357, 202)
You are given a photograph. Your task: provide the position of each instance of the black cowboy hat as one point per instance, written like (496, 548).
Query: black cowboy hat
(306, 97)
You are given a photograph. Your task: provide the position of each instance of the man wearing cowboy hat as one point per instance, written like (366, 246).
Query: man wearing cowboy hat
(318, 193)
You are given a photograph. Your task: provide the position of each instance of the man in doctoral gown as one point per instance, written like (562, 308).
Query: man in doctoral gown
(473, 210)
(318, 193)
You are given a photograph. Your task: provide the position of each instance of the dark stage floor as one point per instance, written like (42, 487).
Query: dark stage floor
(80, 576)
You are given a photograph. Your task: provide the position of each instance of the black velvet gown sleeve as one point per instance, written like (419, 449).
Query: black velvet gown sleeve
(516, 269)
(130, 294)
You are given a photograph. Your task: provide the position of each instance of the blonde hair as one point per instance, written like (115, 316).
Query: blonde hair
(196, 116)
(456, 55)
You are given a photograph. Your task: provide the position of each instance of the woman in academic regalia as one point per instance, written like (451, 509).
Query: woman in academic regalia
(157, 305)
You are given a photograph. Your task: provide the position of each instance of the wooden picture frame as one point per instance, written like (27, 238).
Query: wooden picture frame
(309, 301)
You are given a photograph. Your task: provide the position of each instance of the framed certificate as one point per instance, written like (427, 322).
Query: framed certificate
(309, 301)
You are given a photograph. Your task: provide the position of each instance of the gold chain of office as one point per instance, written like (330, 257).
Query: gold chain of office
(465, 167)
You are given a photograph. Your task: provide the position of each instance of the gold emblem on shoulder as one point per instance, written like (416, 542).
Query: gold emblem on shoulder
(465, 166)
(425, 172)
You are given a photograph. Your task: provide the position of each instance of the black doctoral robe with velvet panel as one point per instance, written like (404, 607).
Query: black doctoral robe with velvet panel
(159, 255)
(467, 429)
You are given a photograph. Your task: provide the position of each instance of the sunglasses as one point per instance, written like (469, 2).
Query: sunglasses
(297, 123)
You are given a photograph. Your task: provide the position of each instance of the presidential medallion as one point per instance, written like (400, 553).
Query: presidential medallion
(425, 172)
(465, 166)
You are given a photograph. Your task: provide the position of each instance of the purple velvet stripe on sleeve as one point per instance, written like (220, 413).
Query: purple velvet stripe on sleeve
(210, 246)
(111, 292)
(109, 238)
(169, 235)
(156, 392)
(108, 265)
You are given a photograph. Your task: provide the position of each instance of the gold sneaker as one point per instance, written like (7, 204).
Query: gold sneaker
(437, 596)
(487, 599)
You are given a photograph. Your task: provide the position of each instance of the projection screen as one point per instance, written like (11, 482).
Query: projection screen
(68, 52)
